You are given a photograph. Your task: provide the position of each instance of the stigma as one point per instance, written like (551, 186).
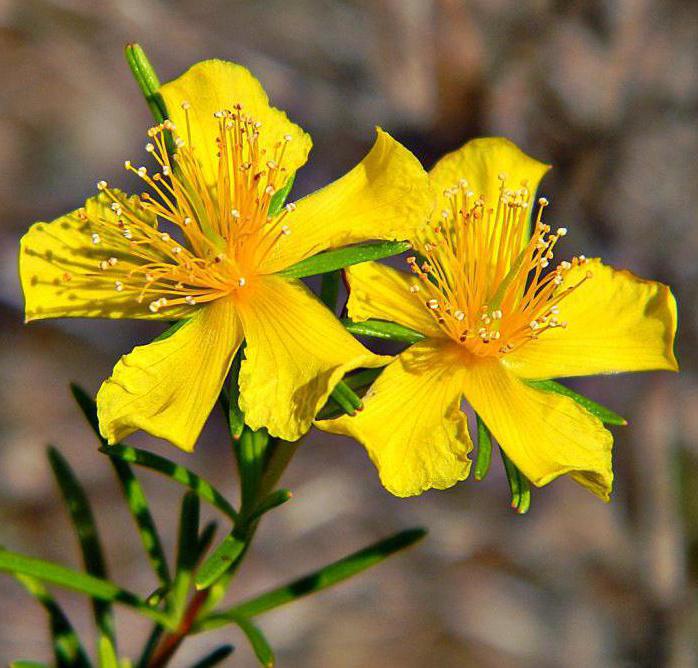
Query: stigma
(489, 285)
(192, 237)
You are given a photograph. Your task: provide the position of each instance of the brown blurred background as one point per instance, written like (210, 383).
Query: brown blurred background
(608, 93)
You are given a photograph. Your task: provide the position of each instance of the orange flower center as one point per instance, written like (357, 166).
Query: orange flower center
(484, 282)
(216, 236)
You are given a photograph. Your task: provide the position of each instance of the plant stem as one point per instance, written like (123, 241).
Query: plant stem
(170, 642)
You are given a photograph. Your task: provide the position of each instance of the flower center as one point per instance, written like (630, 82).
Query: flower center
(218, 233)
(483, 281)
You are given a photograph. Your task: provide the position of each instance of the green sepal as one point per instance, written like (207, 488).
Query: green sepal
(331, 260)
(215, 657)
(147, 80)
(86, 529)
(68, 578)
(604, 414)
(260, 645)
(67, 648)
(484, 450)
(381, 329)
(518, 484)
(176, 472)
(278, 199)
(346, 398)
(316, 581)
(222, 559)
(356, 382)
(236, 418)
(133, 493)
(172, 329)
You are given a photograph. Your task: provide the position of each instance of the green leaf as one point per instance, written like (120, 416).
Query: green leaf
(484, 450)
(86, 529)
(331, 260)
(19, 564)
(67, 649)
(147, 80)
(27, 664)
(329, 289)
(176, 472)
(260, 645)
(316, 581)
(380, 329)
(133, 493)
(269, 502)
(215, 657)
(187, 552)
(604, 414)
(518, 484)
(279, 197)
(346, 399)
(222, 559)
(107, 653)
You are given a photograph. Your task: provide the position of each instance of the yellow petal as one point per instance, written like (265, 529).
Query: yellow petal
(386, 196)
(59, 267)
(615, 322)
(296, 353)
(411, 424)
(481, 162)
(545, 434)
(168, 387)
(217, 85)
(379, 291)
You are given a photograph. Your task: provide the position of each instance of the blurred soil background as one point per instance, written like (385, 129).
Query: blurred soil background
(608, 93)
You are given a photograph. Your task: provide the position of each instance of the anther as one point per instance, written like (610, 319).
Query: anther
(112, 261)
(118, 286)
(101, 185)
(285, 230)
(96, 238)
(433, 304)
(242, 282)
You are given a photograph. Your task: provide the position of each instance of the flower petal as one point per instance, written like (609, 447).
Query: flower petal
(59, 267)
(216, 85)
(545, 434)
(379, 291)
(481, 162)
(296, 353)
(168, 387)
(615, 322)
(411, 424)
(386, 196)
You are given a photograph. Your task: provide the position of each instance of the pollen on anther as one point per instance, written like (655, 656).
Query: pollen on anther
(118, 286)
(101, 185)
(433, 304)
(96, 238)
(285, 230)
(242, 281)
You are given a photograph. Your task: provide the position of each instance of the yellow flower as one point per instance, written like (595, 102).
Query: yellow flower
(495, 313)
(201, 247)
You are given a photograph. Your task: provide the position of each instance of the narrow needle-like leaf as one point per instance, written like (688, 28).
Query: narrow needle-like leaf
(67, 649)
(329, 289)
(484, 450)
(220, 561)
(215, 657)
(316, 581)
(187, 552)
(19, 564)
(107, 653)
(260, 645)
(133, 493)
(86, 529)
(174, 471)
(322, 263)
(269, 502)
